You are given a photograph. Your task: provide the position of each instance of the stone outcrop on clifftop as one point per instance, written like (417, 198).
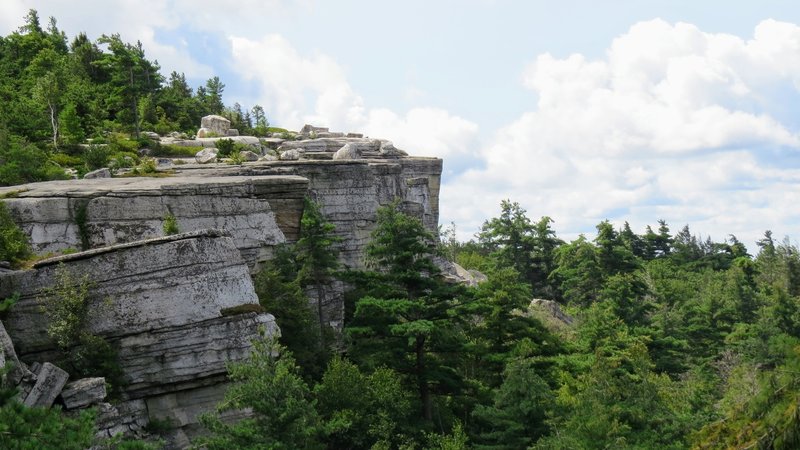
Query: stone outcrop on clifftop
(176, 307)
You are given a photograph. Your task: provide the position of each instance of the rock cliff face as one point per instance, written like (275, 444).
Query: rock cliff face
(174, 307)
(257, 212)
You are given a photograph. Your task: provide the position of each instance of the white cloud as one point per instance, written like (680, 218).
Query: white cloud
(298, 89)
(672, 123)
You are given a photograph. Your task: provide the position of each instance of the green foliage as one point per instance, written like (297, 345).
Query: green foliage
(403, 321)
(22, 162)
(516, 418)
(761, 405)
(515, 242)
(235, 158)
(66, 305)
(34, 428)
(7, 303)
(360, 410)
(81, 221)
(173, 151)
(96, 156)
(225, 146)
(279, 292)
(14, 244)
(318, 258)
(170, 225)
(283, 410)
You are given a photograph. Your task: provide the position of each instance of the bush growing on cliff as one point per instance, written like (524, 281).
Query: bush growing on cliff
(14, 245)
(66, 306)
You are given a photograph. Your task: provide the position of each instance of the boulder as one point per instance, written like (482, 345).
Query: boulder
(388, 149)
(268, 157)
(348, 151)
(84, 392)
(354, 135)
(206, 155)
(247, 155)
(309, 130)
(479, 277)
(290, 155)
(151, 135)
(49, 382)
(99, 173)
(163, 163)
(232, 132)
(216, 125)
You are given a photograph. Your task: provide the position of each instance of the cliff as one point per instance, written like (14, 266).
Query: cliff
(165, 302)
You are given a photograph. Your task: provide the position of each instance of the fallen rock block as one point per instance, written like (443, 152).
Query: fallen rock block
(49, 382)
(206, 155)
(84, 392)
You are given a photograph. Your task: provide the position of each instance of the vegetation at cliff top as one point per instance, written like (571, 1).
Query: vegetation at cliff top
(82, 104)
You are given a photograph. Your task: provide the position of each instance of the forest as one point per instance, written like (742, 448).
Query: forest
(675, 342)
(62, 99)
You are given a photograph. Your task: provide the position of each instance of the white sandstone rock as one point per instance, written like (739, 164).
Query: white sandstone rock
(206, 155)
(348, 151)
(217, 125)
(248, 155)
(290, 155)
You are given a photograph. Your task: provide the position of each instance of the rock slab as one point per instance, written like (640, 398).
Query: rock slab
(84, 392)
(49, 382)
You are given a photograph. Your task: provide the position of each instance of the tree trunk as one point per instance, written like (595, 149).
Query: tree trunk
(422, 383)
(135, 106)
(320, 301)
(54, 123)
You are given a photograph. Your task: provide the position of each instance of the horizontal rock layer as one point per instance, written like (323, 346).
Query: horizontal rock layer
(175, 308)
(258, 212)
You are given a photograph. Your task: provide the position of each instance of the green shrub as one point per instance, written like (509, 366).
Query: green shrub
(170, 225)
(119, 142)
(22, 162)
(96, 156)
(225, 146)
(174, 151)
(123, 160)
(236, 158)
(14, 244)
(66, 306)
(65, 160)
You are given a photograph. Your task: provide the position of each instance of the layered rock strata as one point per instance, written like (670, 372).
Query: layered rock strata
(176, 308)
(258, 212)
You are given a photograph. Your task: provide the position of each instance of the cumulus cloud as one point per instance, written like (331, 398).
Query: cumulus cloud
(672, 123)
(300, 89)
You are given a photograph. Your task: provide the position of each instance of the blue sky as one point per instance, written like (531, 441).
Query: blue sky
(632, 110)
